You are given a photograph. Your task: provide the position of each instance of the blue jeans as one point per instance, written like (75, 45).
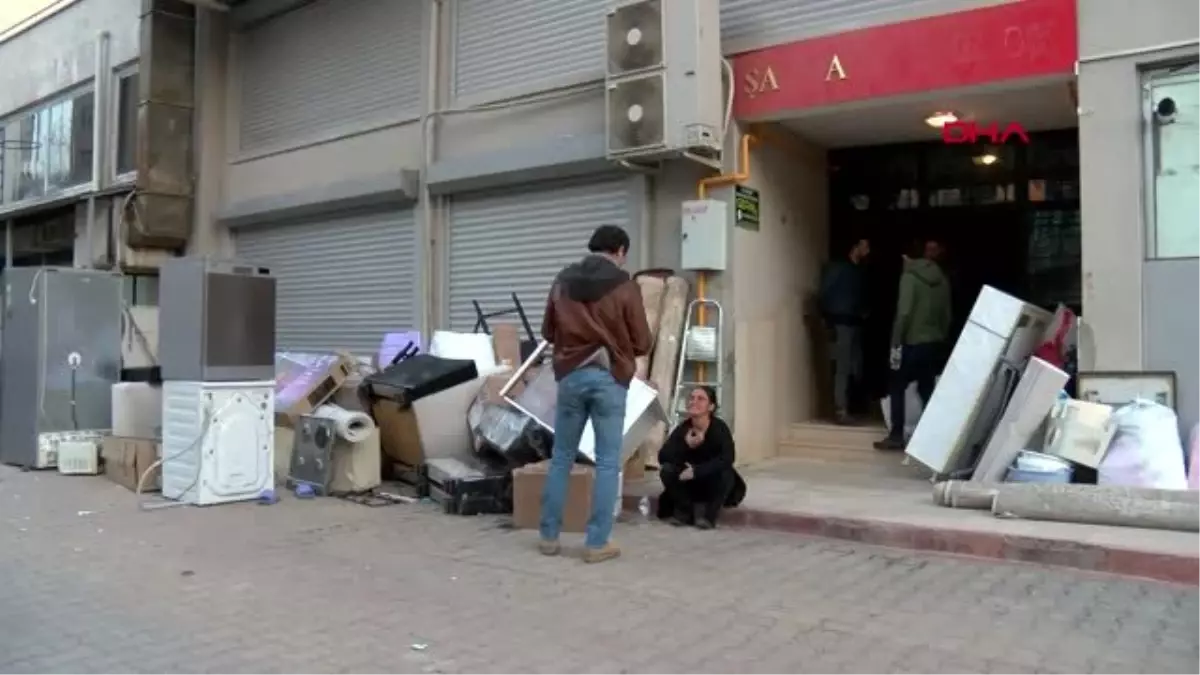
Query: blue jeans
(584, 393)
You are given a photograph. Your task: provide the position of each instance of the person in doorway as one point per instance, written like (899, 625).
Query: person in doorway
(919, 333)
(597, 324)
(842, 301)
(696, 466)
(934, 250)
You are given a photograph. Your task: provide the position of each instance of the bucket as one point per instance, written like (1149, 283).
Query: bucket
(1036, 467)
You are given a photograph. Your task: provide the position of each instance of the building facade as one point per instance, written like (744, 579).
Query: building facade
(395, 160)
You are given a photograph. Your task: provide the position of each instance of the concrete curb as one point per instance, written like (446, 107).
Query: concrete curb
(1095, 558)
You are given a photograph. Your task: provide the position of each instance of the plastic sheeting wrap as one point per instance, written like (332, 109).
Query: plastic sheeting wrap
(499, 427)
(665, 360)
(1146, 450)
(352, 426)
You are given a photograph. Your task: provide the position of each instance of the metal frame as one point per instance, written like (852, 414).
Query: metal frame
(119, 74)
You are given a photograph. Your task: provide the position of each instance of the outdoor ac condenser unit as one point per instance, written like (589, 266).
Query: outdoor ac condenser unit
(664, 88)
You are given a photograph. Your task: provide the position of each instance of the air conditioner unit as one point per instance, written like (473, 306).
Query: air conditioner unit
(664, 87)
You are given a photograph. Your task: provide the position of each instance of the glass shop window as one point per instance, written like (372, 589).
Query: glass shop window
(1174, 144)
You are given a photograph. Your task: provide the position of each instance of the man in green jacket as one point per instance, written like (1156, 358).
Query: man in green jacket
(919, 334)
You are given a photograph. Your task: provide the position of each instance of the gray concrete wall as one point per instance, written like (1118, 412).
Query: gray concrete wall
(59, 51)
(1128, 324)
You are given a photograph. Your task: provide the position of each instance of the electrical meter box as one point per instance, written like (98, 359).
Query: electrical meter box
(705, 235)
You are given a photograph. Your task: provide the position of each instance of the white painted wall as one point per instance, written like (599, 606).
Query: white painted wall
(59, 52)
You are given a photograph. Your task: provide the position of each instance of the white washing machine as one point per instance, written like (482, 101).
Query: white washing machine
(218, 440)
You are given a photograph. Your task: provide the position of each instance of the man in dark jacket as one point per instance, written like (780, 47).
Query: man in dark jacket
(597, 324)
(843, 305)
(919, 333)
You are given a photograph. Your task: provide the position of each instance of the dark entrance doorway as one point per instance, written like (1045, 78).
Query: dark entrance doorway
(1007, 216)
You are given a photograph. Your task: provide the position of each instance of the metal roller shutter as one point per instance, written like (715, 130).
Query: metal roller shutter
(751, 24)
(342, 283)
(518, 240)
(499, 45)
(328, 66)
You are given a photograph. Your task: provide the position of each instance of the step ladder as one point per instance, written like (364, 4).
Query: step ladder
(701, 356)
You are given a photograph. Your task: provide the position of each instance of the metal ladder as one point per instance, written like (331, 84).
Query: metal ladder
(702, 349)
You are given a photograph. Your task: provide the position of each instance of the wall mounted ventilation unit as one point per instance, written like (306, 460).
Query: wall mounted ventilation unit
(664, 95)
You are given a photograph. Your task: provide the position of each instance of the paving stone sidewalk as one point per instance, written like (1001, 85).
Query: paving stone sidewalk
(88, 583)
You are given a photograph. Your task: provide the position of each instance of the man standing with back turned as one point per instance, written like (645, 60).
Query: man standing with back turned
(919, 334)
(596, 322)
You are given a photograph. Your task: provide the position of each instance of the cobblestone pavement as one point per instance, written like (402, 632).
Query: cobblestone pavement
(90, 584)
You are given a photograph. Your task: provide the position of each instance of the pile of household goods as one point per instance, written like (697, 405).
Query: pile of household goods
(466, 420)
(463, 419)
(1005, 432)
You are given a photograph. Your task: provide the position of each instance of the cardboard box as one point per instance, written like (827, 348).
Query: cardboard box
(304, 381)
(126, 459)
(528, 482)
(434, 426)
(506, 341)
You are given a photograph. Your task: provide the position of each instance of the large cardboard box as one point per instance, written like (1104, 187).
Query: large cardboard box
(528, 482)
(432, 427)
(304, 381)
(126, 459)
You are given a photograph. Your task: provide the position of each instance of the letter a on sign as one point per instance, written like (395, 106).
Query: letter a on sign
(835, 68)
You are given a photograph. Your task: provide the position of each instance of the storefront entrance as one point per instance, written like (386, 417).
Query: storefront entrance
(849, 120)
(1006, 216)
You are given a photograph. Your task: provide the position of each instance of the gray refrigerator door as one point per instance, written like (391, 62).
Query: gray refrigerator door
(19, 376)
(82, 315)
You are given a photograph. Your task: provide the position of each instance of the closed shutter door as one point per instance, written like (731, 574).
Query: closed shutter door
(751, 24)
(328, 66)
(499, 45)
(519, 239)
(341, 283)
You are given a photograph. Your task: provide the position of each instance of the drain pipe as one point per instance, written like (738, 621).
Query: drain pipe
(101, 80)
(428, 153)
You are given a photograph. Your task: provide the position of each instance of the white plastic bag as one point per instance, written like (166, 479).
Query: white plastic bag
(1146, 450)
(912, 409)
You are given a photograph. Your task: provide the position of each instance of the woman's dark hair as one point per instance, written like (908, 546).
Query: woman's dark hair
(711, 393)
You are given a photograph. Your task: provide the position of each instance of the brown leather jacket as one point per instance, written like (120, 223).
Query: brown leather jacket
(593, 306)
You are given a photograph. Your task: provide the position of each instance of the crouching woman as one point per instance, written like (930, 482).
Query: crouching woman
(696, 466)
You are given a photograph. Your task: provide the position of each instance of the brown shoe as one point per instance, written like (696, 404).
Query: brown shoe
(549, 547)
(606, 552)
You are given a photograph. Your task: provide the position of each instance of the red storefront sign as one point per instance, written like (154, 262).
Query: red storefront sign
(1010, 41)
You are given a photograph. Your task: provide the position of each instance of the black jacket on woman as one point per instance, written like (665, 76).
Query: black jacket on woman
(712, 457)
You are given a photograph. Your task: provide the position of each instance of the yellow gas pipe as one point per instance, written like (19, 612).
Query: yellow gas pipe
(742, 174)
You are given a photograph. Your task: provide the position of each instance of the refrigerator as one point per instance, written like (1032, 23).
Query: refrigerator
(61, 342)
(975, 385)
